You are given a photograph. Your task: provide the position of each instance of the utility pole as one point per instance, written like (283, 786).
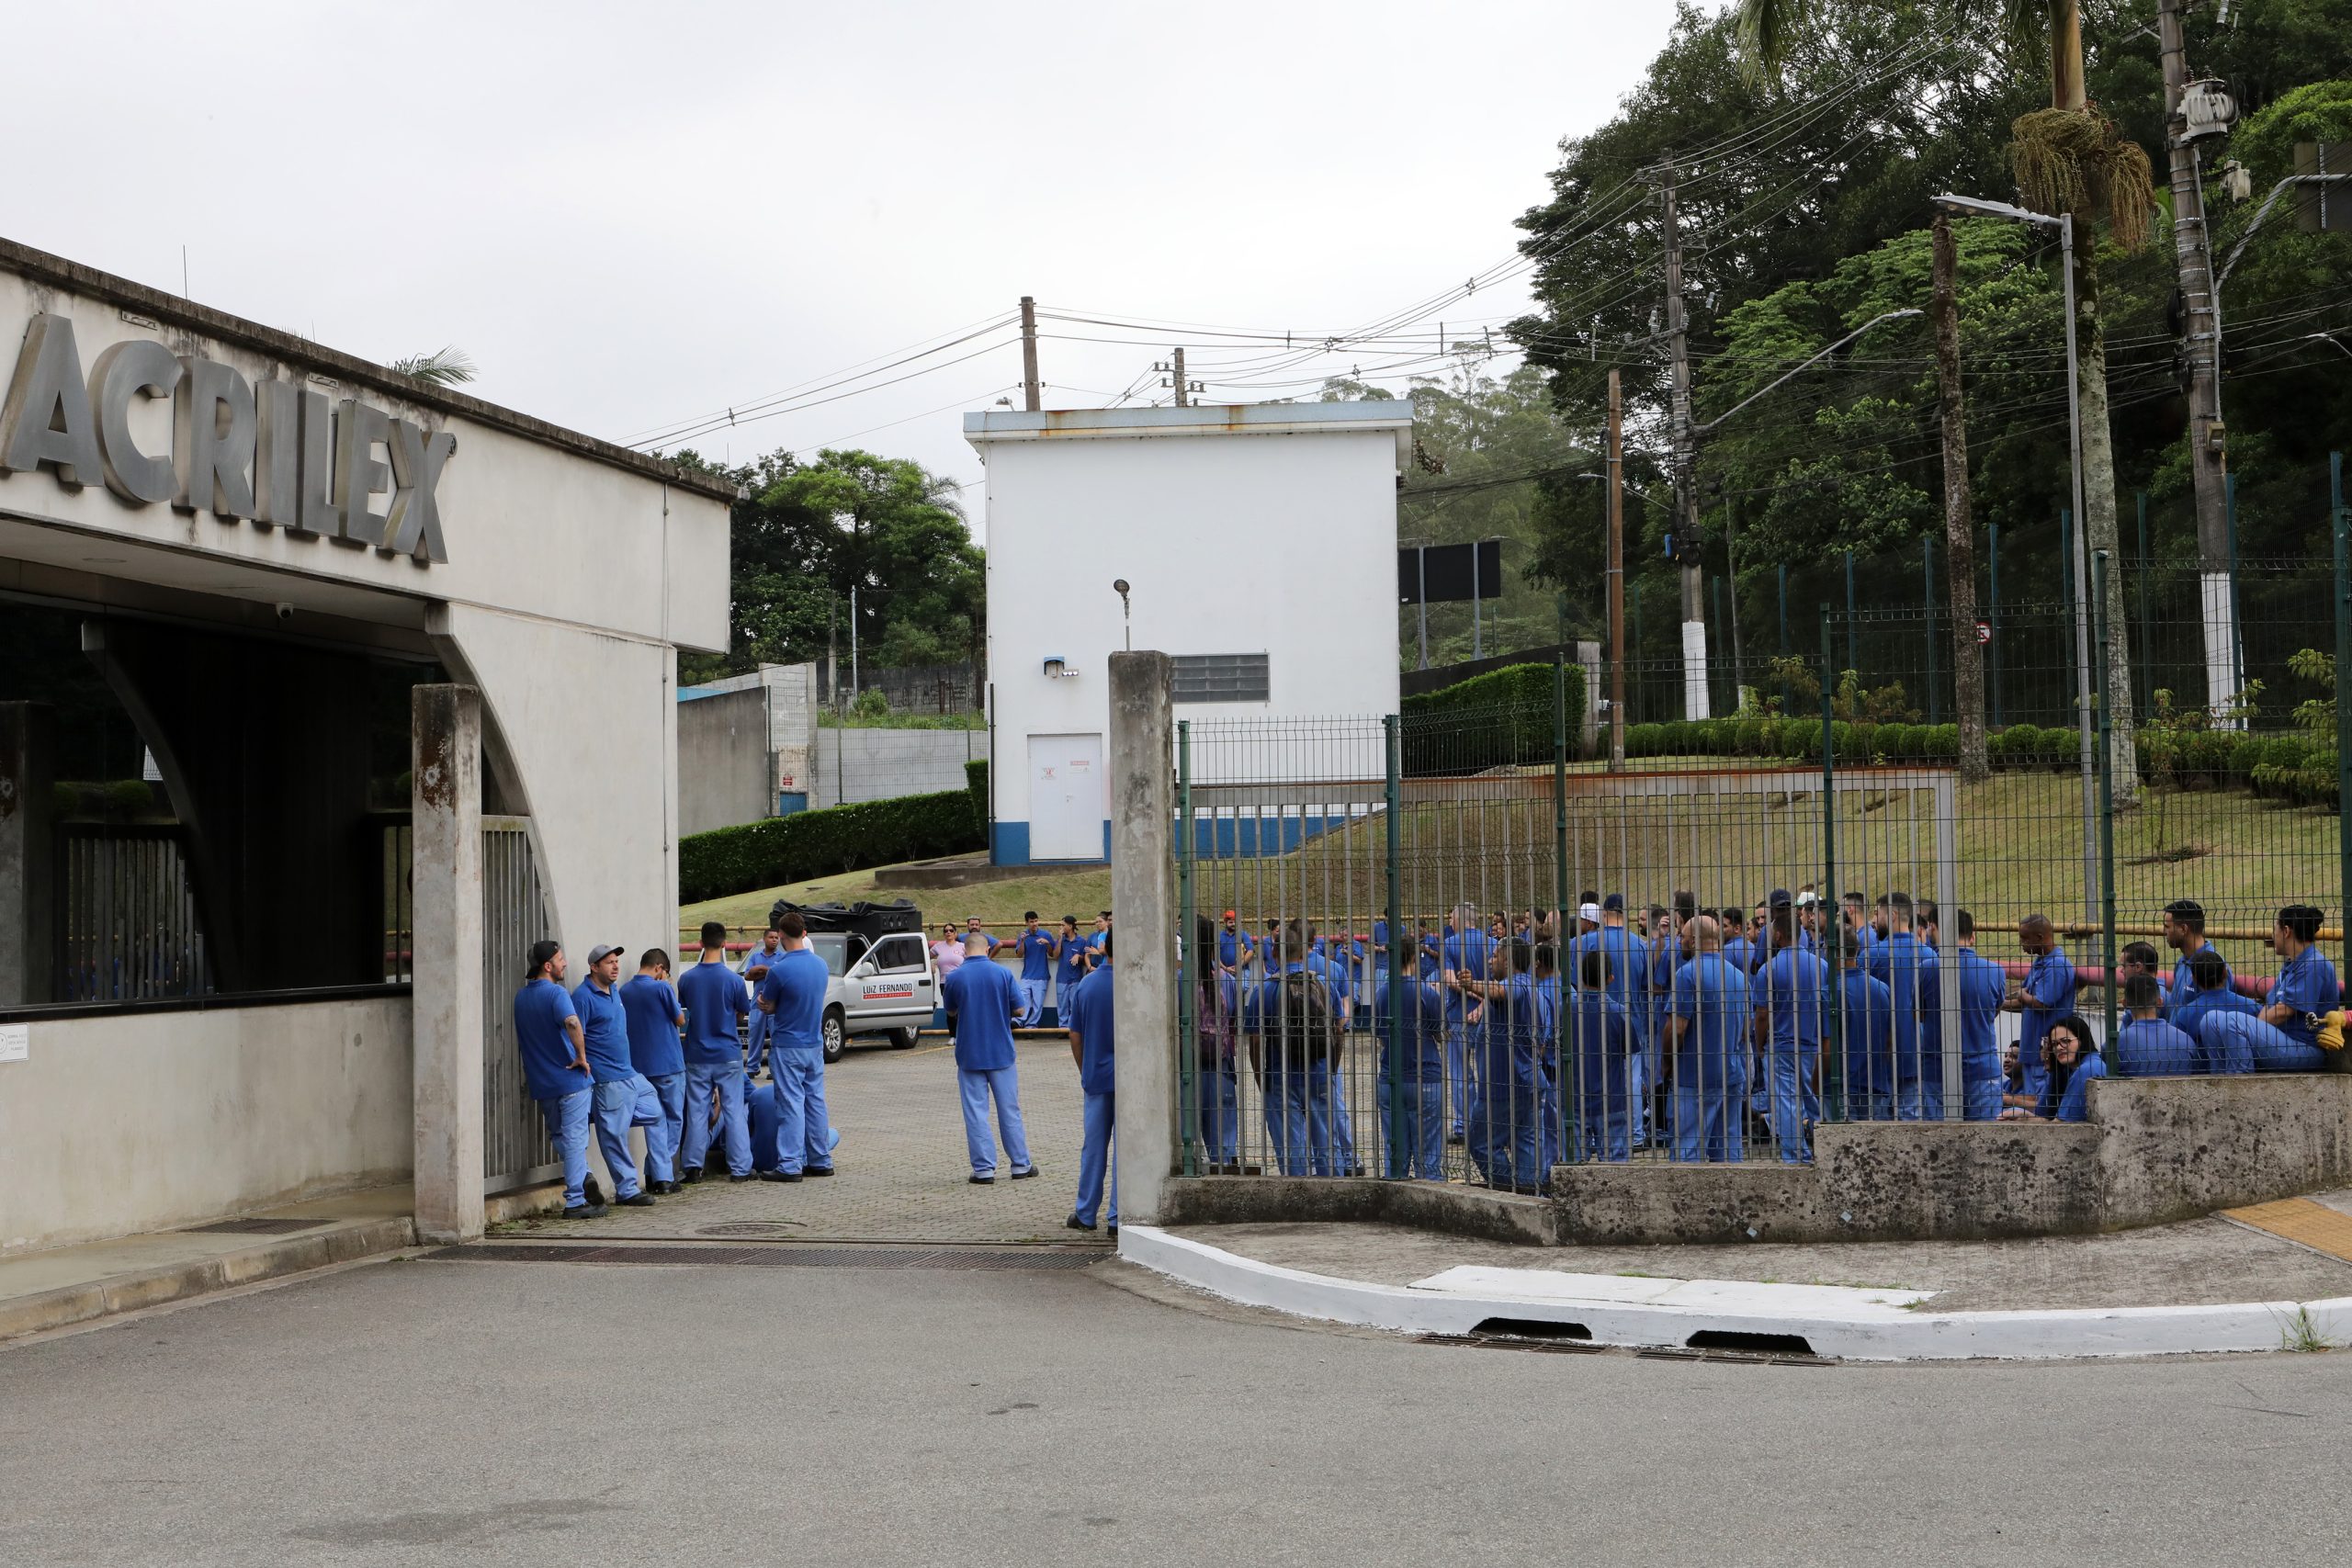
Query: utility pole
(2201, 340)
(1967, 657)
(1182, 399)
(1616, 576)
(832, 657)
(1030, 390)
(852, 644)
(1686, 495)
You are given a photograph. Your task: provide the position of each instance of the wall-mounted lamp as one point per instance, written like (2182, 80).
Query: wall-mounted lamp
(1126, 611)
(1058, 669)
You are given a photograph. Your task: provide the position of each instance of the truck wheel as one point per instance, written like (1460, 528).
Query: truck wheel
(904, 1039)
(835, 1036)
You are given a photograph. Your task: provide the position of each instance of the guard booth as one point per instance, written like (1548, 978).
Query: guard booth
(324, 692)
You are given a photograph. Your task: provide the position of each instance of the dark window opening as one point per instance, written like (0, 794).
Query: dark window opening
(1222, 678)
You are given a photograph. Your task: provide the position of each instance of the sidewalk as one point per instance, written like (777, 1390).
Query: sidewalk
(2219, 1284)
(58, 1287)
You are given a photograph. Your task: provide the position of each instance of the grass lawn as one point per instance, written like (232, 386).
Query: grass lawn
(1052, 894)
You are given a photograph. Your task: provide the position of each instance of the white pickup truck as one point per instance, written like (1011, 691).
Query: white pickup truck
(888, 988)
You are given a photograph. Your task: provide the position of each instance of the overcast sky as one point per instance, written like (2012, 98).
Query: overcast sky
(632, 215)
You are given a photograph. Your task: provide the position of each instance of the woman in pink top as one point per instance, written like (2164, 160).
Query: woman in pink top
(948, 951)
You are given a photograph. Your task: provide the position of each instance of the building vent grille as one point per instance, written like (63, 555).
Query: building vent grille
(1222, 678)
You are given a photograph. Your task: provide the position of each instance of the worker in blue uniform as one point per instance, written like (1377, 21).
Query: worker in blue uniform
(753, 970)
(1628, 966)
(1464, 949)
(2185, 934)
(1292, 1022)
(982, 1001)
(1790, 995)
(1908, 968)
(1865, 1026)
(1037, 950)
(1712, 1026)
(1413, 1099)
(2048, 992)
(715, 1002)
(604, 1025)
(760, 1112)
(1216, 1034)
(1507, 1020)
(1235, 947)
(1666, 954)
(1094, 1042)
(2146, 1046)
(555, 1070)
(2284, 1036)
(1071, 955)
(1327, 957)
(793, 996)
(1983, 986)
(654, 1018)
(2213, 991)
(1600, 1059)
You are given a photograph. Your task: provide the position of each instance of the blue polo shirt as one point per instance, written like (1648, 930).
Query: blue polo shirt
(1629, 971)
(796, 983)
(1037, 952)
(714, 999)
(2306, 983)
(1596, 1045)
(1713, 1053)
(1466, 953)
(652, 1008)
(2050, 981)
(1515, 1021)
(1071, 966)
(1740, 954)
(1794, 986)
(1866, 1023)
(1908, 968)
(2149, 1047)
(1983, 986)
(540, 1008)
(1089, 1014)
(2184, 989)
(2191, 1016)
(2075, 1105)
(606, 1024)
(1423, 1015)
(1234, 947)
(981, 999)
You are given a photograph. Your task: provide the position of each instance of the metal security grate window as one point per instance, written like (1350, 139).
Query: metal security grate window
(1221, 678)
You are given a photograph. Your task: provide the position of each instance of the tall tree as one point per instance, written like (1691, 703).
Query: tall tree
(1960, 534)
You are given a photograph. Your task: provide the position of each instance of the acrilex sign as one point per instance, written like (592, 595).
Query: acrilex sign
(274, 453)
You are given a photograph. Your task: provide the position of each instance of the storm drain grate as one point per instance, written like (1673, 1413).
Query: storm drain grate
(753, 1228)
(254, 1227)
(960, 1257)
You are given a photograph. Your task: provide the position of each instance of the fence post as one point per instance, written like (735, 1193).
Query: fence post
(1560, 794)
(445, 808)
(2341, 518)
(1787, 696)
(1188, 973)
(1993, 613)
(1853, 659)
(1928, 576)
(2106, 808)
(2237, 619)
(1400, 1134)
(2147, 643)
(1833, 1068)
(1143, 891)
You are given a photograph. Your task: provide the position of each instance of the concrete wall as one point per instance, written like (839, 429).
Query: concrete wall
(1245, 529)
(148, 1120)
(725, 771)
(2177, 1147)
(851, 765)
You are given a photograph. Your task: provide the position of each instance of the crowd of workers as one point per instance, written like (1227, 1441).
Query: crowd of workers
(1696, 1031)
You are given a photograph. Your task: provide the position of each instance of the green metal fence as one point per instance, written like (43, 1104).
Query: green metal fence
(1418, 951)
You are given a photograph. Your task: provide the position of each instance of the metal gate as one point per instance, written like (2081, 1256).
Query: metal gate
(515, 1147)
(128, 927)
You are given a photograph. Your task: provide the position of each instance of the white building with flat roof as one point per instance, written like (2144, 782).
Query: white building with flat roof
(1258, 544)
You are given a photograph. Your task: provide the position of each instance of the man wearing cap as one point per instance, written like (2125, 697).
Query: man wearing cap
(556, 1071)
(1037, 950)
(793, 995)
(604, 1025)
(654, 1016)
(713, 1001)
(982, 1001)
(2185, 934)
(755, 969)
(1234, 946)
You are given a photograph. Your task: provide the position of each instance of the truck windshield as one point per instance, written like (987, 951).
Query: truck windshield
(833, 948)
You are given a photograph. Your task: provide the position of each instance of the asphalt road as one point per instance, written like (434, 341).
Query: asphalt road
(532, 1413)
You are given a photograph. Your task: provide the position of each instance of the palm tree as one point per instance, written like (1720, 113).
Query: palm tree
(2068, 158)
(447, 367)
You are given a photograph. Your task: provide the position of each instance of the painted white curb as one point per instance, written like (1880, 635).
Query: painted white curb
(1869, 1334)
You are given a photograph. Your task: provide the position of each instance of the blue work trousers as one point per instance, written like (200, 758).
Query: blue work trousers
(1984, 1098)
(1921, 1099)
(722, 1081)
(1095, 1158)
(1005, 1084)
(663, 1134)
(567, 1119)
(1220, 1096)
(1707, 1123)
(1033, 1005)
(1506, 1141)
(755, 1047)
(1794, 1105)
(615, 1106)
(801, 1145)
(1419, 1153)
(1341, 1132)
(1298, 1118)
(2243, 1043)
(1457, 1071)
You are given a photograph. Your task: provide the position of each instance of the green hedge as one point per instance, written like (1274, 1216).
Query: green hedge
(975, 784)
(809, 844)
(1502, 718)
(1793, 740)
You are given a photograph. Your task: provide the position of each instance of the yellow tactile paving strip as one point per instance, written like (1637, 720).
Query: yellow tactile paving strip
(2301, 1221)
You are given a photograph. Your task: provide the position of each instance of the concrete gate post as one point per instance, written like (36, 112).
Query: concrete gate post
(28, 852)
(1143, 901)
(447, 992)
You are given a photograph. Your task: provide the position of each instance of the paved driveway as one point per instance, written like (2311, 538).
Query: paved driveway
(901, 1162)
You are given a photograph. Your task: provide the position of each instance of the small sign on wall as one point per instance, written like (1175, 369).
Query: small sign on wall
(16, 1041)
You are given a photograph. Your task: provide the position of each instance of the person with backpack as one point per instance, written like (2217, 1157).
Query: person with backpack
(1509, 1016)
(1293, 1022)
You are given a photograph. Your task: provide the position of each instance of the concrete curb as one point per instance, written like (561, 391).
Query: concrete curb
(71, 1304)
(1914, 1337)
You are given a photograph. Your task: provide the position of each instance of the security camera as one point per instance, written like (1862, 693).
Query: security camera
(285, 611)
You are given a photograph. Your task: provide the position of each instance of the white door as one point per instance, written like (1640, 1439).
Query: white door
(1067, 805)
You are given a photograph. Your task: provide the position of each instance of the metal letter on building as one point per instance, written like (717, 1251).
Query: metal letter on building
(47, 416)
(414, 521)
(213, 444)
(124, 371)
(278, 453)
(318, 513)
(357, 474)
